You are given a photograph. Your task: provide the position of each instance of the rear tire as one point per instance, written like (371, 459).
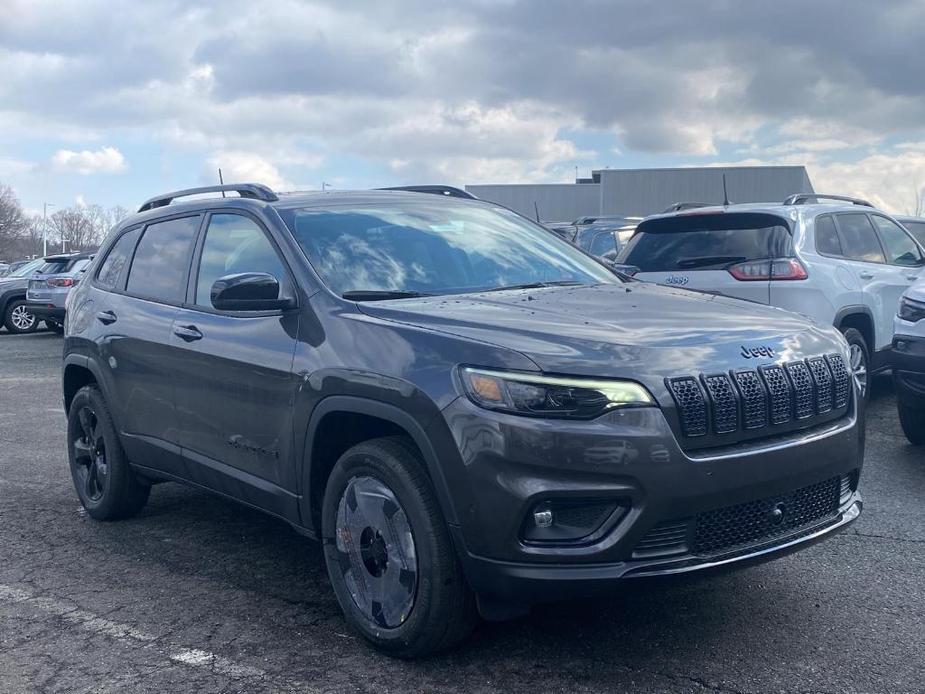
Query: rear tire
(860, 359)
(913, 423)
(389, 554)
(105, 483)
(17, 318)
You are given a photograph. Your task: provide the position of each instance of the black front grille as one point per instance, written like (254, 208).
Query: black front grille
(726, 529)
(756, 400)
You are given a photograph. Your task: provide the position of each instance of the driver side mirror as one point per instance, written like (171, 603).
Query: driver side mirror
(249, 291)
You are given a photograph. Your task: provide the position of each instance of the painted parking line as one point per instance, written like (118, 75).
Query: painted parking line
(127, 634)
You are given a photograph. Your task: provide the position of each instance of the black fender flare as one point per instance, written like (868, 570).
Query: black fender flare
(7, 297)
(857, 309)
(85, 362)
(390, 413)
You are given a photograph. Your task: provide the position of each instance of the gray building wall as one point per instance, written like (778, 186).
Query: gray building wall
(640, 192)
(557, 202)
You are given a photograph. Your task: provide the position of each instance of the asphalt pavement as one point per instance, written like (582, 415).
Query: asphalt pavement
(198, 594)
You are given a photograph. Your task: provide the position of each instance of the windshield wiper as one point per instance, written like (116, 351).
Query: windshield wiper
(535, 285)
(710, 260)
(381, 294)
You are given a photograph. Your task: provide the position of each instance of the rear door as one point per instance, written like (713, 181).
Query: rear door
(233, 370)
(726, 253)
(132, 316)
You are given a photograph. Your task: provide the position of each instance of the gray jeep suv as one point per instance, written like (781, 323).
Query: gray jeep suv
(51, 284)
(468, 412)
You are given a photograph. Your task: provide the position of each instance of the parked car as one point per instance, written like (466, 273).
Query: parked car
(916, 226)
(51, 284)
(4, 268)
(471, 415)
(908, 361)
(844, 264)
(14, 310)
(605, 240)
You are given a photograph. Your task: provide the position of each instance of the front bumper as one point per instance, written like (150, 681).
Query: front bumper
(907, 358)
(509, 464)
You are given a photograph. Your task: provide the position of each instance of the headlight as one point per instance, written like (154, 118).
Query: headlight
(550, 396)
(910, 310)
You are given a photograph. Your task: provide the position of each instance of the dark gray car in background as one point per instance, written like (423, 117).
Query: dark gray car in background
(15, 314)
(471, 415)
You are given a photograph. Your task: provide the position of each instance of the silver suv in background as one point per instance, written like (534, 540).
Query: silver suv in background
(844, 264)
(51, 284)
(908, 362)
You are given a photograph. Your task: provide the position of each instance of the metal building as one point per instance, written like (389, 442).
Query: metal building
(641, 192)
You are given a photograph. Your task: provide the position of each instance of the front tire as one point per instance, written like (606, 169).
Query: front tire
(389, 554)
(859, 363)
(18, 320)
(107, 486)
(912, 421)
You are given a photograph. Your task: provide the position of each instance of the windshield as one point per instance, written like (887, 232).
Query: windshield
(443, 248)
(917, 229)
(706, 242)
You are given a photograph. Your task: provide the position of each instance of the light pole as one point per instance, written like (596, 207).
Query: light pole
(45, 206)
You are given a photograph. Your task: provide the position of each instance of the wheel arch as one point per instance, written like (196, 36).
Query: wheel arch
(338, 413)
(79, 371)
(860, 318)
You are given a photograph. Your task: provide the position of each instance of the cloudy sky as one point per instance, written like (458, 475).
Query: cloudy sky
(111, 102)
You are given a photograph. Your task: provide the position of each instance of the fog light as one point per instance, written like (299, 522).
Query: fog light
(570, 520)
(542, 519)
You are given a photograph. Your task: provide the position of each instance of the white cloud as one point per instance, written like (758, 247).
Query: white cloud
(104, 160)
(245, 167)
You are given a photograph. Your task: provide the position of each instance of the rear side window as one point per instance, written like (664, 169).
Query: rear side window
(858, 238)
(899, 246)
(827, 241)
(117, 259)
(706, 242)
(159, 268)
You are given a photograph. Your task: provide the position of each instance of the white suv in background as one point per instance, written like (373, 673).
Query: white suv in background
(844, 264)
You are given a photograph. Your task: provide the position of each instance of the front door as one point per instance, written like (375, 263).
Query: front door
(232, 377)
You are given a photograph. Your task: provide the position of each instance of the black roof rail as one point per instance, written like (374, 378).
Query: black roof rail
(449, 191)
(254, 191)
(802, 198)
(678, 206)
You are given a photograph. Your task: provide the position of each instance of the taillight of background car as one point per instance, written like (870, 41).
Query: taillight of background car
(61, 282)
(772, 269)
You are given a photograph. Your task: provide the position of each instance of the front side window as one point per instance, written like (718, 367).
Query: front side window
(917, 229)
(899, 246)
(111, 269)
(435, 248)
(161, 261)
(858, 238)
(602, 244)
(234, 244)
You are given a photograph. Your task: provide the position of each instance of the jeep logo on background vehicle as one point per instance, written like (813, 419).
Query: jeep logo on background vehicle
(677, 280)
(755, 352)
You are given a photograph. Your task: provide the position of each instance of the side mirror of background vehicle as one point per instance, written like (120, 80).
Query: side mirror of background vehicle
(249, 291)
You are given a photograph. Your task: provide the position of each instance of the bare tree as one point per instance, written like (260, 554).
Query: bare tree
(918, 198)
(12, 223)
(78, 227)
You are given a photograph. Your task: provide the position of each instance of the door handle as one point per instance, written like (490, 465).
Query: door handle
(189, 333)
(106, 317)
(912, 278)
(866, 275)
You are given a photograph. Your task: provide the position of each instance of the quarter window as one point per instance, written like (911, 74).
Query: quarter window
(827, 242)
(159, 269)
(858, 238)
(603, 243)
(234, 244)
(117, 259)
(899, 246)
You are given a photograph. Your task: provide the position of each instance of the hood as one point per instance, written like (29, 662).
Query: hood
(639, 330)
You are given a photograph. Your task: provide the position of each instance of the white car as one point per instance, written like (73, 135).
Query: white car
(908, 361)
(844, 264)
